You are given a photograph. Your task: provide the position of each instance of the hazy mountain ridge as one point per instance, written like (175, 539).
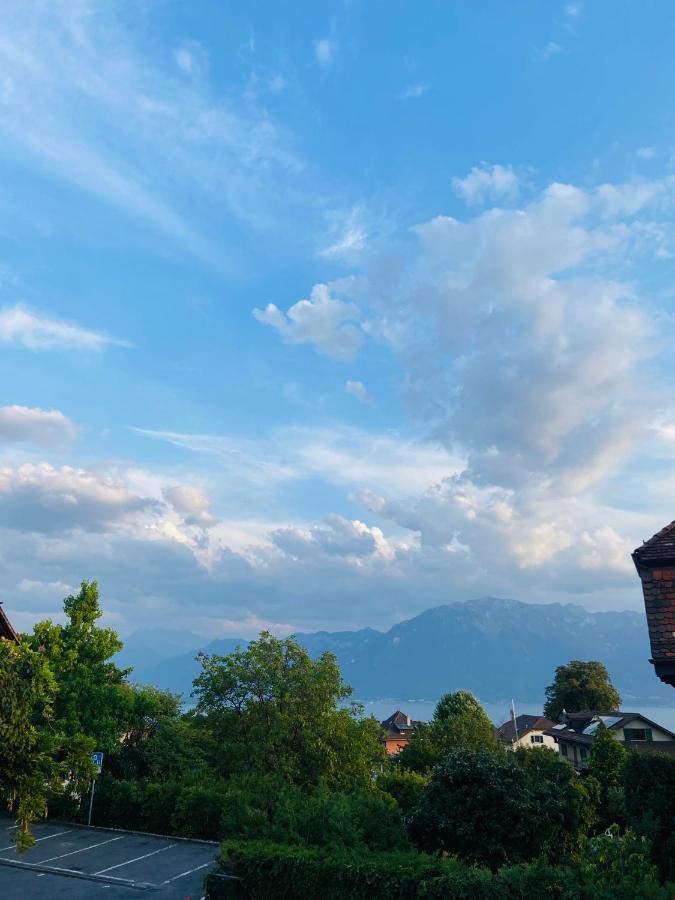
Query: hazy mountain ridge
(495, 648)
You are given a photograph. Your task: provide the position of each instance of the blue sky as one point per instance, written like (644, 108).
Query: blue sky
(318, 318)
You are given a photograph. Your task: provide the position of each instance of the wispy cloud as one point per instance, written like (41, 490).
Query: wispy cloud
(325, 50)
(38, 331)
(82, 103)
(415, 90)
(573, 10)
(358, 389)
(543, 54)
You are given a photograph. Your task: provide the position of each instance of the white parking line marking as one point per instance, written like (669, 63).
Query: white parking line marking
(129, 861)
(189, 872)
(41, 862)
(58, 834)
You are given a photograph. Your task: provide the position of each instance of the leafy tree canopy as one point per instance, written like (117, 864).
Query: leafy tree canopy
(459, 723)
(27, 760)
(272, 708)
(93, 697)
(580, 685)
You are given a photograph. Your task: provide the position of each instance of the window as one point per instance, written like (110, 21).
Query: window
(536, 738)
(584, 752)
(637, 734)
(563, 749)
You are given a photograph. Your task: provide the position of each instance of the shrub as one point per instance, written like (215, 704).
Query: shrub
(405, 787)
(269, 871)
(493, 811)
(198, 812)
(269, 808)
(117, 803)
(649, 786)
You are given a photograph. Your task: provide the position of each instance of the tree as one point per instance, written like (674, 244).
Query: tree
(493, 811)
(580, 685)
(606, 763)
(93, 697)
(271, 708)
(27, 751)
(459, 723)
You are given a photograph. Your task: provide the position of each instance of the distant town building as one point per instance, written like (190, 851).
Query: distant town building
(397, 731)
(655, 564)
(7, 632)
(576, 732)
(528, 731)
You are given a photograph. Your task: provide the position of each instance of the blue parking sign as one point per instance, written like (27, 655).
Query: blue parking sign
(97, 759)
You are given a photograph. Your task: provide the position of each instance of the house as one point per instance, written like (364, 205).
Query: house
(655, 564)
(397, 731)
(7, 632)
(575, 734)
(529, 731)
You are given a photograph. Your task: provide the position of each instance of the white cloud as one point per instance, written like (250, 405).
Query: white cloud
(358, 389)
(521, 350)
(573, 10)
(646, 153)
(37, 331)
(413, 91)
(487, 183)
(47, 428)
(548, 52)
(191, 58)
(325, 50)
(347, 457)
(193, 502)
(324, 320)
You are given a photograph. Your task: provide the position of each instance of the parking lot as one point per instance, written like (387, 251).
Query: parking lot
(74, 862)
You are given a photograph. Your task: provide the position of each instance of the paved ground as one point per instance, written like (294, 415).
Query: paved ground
(83, 863)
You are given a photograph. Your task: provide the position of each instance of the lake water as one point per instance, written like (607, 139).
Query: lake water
(499, 711)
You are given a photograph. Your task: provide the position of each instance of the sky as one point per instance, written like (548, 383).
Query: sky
(317, 317)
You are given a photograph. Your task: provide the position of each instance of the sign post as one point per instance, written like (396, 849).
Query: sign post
(97, 760)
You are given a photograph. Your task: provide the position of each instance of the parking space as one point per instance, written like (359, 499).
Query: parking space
(75, 862)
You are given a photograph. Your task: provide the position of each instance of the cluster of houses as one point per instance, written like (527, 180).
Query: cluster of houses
(572, 737)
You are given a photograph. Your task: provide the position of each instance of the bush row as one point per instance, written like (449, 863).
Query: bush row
(610, 869)
(255, 808)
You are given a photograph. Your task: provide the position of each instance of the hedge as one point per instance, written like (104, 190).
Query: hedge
(610, 869)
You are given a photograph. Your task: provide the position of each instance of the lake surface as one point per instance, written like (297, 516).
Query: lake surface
(500, 711)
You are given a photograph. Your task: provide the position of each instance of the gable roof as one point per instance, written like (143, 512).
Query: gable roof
(525, 723)
(658, 549)
(578, 727)
(6, 630)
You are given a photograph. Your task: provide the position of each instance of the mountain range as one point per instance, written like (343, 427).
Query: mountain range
(495, 648)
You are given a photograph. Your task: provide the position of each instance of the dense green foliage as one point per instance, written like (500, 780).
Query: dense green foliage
(27, 755)
(609, 868)
(271, 708)
(459, 723)
(496, 811)
(649, 784)
(580, 685)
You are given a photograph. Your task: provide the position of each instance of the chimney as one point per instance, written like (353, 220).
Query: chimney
(655, 564)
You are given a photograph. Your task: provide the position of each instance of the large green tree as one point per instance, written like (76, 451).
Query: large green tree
(92, 697)
(27, 749)
(581, 685)
(459, 723)
(272, 708)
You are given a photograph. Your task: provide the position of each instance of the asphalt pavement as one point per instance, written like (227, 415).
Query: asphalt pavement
(70, 861)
